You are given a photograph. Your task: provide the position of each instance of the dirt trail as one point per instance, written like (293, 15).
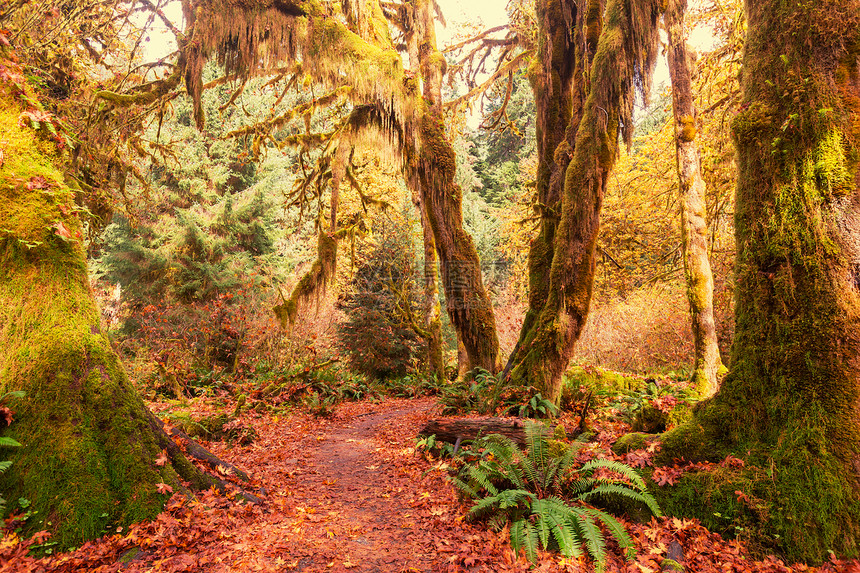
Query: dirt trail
(344, 494)
(376, 533)
(354, 502)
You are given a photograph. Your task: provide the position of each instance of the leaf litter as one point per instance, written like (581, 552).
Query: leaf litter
(350, 493)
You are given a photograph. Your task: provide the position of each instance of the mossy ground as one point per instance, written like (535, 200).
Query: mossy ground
(790, 499)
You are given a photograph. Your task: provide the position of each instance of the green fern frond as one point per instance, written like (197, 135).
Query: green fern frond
(478, 476)
(591, 534)
(511, 498)
(566, 537)
(625, 491)
(506, 456)
(544, 510)
(464, 487)
(575, 489)
(616, 530)
(482, 507)
(566, 460)
(8, 442)
(4, 465)
(524, 536)
(617, 467)
(536, 441)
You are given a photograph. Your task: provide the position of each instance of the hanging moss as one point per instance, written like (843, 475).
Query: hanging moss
(313, 283)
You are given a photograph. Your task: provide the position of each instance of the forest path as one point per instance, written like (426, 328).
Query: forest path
(349, 493)
(370, 513)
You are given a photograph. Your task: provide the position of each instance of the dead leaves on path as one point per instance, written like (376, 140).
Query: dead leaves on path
(379, 506)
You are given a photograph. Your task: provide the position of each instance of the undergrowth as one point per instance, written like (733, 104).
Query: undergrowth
(545, 497)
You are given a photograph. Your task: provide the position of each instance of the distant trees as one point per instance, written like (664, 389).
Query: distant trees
(381, 304)
(694, 225)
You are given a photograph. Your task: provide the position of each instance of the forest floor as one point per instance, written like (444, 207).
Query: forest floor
(351, 493)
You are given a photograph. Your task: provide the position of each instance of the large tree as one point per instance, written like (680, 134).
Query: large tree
(790, 404)
(89, 443)
(615, 54)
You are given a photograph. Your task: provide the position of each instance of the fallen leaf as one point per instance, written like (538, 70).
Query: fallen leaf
(164, 488)
(61, 231)
(162, 458)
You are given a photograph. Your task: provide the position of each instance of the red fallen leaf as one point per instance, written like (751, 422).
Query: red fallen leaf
(639, 458)
(41, 536)
(4, 41)
(64, 209)
(732, 462)
(162, 458)
(666, 475)
(6, 414)
(38, 182)
(164, 488)
(62, 231)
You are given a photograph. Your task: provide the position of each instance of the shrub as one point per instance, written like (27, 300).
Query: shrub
(376, 336)
(544, 495)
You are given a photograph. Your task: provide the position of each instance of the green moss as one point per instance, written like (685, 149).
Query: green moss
(649, 419)
(689, 442)
(687, 128)
(213, 428)
(86, 460)
(632, 441)
(795, 508)
(680, 415)
(599, 378)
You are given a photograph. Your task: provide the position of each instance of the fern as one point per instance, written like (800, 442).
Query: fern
(544, 496)
(623, 491)
(616, 529)
(524, 536)
(617, 467)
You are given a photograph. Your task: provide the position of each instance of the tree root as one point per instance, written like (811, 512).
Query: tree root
(198, 478)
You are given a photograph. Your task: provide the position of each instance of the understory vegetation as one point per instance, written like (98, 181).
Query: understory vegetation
(309, 229)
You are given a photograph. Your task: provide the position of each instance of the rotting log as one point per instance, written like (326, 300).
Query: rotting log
(454, 429)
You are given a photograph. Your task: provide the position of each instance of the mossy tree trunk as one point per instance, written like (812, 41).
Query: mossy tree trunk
(551, 76)
(432, 328)
(89, 442)
(623, 59)
(432, 311)
(468, 303)
(694, 228)
(790, 402)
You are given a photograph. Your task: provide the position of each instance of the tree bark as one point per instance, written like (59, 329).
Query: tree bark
(432, 307)
(468, 303)
(89, 442)
(624, 57)
(694, 229)
(790, 402)
(555, 122)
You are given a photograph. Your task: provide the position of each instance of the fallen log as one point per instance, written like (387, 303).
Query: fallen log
(454, 430)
